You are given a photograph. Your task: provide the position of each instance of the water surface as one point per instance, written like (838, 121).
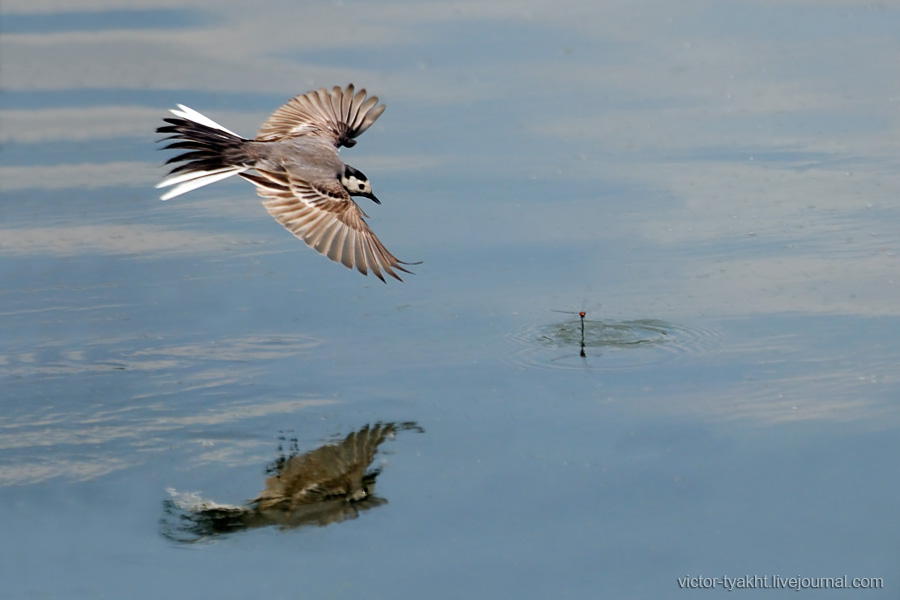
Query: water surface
(720, 186)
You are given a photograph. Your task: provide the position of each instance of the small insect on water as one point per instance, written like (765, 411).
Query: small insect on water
(581, 314)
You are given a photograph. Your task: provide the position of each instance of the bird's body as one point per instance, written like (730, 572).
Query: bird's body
(295, 166)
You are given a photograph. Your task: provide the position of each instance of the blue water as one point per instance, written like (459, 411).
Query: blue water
(717, 193)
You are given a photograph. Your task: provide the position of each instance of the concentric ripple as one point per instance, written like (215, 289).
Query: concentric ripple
(606, 344)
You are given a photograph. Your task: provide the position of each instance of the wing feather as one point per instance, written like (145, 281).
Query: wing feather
(326, 218)
(338, 115)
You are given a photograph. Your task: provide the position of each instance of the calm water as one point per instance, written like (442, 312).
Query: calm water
(717, 186)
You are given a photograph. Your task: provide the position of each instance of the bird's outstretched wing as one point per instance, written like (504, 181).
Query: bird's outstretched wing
(322, 214)
(331, 471)
(338, 115)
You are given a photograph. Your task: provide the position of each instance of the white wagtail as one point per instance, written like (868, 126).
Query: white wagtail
(295, 166)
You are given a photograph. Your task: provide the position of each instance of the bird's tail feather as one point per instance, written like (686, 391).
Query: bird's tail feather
(213, 152)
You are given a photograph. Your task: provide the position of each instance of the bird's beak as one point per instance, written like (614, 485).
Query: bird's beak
(372, 198)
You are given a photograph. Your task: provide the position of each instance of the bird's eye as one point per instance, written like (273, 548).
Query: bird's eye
(361, 186)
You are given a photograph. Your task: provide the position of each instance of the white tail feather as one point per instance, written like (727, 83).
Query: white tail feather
(192, 115)
(191, 181)
(173, 179)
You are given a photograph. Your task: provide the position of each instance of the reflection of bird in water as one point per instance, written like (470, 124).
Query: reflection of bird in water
(327, 485)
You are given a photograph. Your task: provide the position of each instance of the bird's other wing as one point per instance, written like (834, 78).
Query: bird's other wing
(338, 115)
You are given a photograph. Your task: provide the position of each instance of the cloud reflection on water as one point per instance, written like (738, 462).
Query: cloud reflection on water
(150, 241)
(116, 434)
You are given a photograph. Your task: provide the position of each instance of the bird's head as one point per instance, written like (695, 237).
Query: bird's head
(357, 184)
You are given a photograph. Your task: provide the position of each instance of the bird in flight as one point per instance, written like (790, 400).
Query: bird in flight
(294, 164)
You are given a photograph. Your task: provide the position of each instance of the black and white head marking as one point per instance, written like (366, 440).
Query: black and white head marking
(357, 184)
